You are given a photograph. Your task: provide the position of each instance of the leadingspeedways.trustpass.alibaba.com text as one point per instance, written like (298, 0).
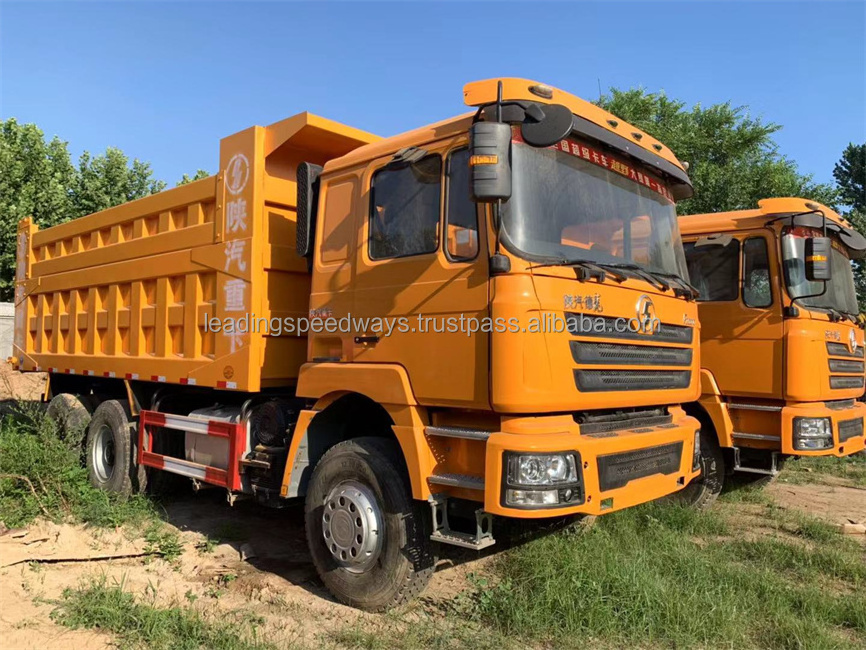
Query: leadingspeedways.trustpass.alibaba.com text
(543, 323)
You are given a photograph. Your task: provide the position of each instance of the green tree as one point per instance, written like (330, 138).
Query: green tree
(199, 174)
(35, 180)
(110, 179)
(38, 179)
(850, 175)
(733, 159)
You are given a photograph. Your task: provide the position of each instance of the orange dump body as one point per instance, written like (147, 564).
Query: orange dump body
(132, 291)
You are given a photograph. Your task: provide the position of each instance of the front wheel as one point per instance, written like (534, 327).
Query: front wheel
(702, 492)
(369, 540)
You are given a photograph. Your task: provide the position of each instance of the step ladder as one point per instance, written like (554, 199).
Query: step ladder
(773, 470)
(443, 533)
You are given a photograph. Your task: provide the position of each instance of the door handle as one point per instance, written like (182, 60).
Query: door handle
(374, 338)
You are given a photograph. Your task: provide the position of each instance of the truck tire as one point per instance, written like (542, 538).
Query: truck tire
(70, 414)
(369, 540)
(109, 455)
(702, 492)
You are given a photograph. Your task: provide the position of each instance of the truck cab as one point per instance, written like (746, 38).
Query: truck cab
(782, 356)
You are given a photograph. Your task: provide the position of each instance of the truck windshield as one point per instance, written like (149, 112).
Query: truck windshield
(839, 294)
(573, 202)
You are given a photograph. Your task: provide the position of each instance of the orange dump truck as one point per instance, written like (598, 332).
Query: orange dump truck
(782, 350)
(484, 317)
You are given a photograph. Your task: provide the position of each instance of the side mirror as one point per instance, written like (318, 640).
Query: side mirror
(818, 259)
(490, 162)
(308, 200)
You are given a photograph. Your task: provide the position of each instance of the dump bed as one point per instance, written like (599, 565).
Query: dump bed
(133, 291)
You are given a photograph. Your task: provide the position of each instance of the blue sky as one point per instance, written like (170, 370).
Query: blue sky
(165, 81)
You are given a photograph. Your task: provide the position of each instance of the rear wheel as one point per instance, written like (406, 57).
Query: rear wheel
(702, 492)
(369, 540)
(71, 415)
(109, 455)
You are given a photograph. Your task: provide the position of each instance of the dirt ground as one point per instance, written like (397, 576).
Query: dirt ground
(276, 580)
(260, 564)
(18, 385)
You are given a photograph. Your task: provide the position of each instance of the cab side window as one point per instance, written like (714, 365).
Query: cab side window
(404, 209)
(756, 273)
(461, 220)
(714, 269)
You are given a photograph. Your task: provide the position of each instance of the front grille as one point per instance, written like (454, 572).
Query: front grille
(590, 381)
(841, 350)
(850, 429)
(846, 382)
(840, 404)
(607, 327)
(617, 470)
(638, 355)
(845, 365)
(596, 424)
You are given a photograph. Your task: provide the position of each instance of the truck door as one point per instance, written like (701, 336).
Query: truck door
(423, 260)
(740, 312)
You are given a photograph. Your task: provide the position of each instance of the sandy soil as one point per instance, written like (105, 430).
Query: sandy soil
(18, 385)
(276, 582)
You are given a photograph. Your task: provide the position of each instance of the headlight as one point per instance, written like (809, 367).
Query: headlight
(813, 433)
(542, 480)
(696, 454)
(541, 469)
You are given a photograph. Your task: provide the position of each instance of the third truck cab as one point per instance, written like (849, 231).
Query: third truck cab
(781, 346)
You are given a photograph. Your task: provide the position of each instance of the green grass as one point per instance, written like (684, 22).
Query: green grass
(666, 575)
(136, 624)
(42, 475)
(809, 468)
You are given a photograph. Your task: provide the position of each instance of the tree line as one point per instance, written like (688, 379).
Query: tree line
(734, 161)
(38, 179)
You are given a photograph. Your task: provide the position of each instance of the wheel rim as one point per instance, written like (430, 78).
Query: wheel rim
(103, 454)
(352, 526)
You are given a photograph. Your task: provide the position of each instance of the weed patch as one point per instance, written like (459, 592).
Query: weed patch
(810, 469)
(664, 574)
(109, 608)
(41, 475)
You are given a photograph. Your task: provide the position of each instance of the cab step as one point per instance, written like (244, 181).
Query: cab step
(444, 534)
(772, 470)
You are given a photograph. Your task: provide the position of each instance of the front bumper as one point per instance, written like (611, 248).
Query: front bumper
(845, 417)
(619, 469)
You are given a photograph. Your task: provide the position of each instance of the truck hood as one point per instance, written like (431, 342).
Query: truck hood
(579, 345)
(824, 360)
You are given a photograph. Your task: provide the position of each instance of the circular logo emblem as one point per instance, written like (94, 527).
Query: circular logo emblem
(237, 173)
(645, 316)
(852, 342)
(228, 372)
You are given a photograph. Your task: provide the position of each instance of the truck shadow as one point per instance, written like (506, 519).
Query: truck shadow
(274, 539)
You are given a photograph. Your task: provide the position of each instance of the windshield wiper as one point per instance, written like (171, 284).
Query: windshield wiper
(594, 268)
(687, 288)
(638, 271)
